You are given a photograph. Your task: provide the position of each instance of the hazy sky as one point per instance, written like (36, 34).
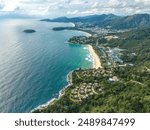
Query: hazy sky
(55, 8)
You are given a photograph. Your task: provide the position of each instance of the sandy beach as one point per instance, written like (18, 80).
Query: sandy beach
(96, 65)
(96, 59)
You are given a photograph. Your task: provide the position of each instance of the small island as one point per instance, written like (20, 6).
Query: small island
(29, 31)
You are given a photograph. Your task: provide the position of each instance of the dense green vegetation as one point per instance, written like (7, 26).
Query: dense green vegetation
(129, 93)
(110, 20)
(136, 44)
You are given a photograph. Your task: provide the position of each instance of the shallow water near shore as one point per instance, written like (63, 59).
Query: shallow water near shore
(33, 67)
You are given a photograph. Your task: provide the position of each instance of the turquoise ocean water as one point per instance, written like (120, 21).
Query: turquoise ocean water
(33, 67)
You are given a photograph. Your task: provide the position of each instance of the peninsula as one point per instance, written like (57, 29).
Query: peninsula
(29, 31)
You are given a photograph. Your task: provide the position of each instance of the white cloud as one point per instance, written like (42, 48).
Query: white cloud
(72, 13)
(55, 8)
(95, 4)
(9, 5)
(92, 11)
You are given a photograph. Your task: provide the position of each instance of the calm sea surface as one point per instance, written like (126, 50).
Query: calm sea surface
(33, 67)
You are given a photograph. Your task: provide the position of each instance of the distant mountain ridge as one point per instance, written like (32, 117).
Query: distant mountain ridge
(114, 21)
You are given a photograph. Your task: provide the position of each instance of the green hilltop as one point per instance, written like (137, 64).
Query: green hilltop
(108, 20)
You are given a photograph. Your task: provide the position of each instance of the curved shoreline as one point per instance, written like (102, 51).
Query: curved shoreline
(61, 93)
(95, 64)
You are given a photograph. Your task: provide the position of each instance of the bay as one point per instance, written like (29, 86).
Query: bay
(34, 66)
